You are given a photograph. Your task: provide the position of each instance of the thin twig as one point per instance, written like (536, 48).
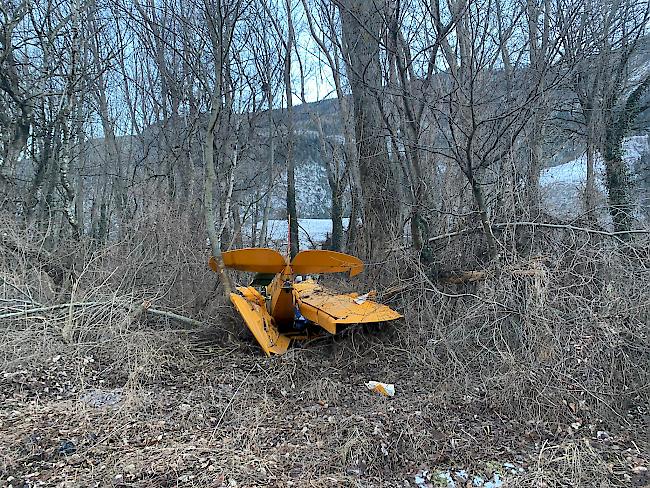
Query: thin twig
(452, 234)
(153, 311)
(31, 311)
(572, 227)
(174, 316)
(232, 399)
(616, 234)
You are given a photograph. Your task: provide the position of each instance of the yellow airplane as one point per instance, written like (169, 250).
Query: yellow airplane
(286, 307)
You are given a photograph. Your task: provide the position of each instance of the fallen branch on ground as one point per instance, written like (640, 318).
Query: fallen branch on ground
(616, 235)
(135, 311)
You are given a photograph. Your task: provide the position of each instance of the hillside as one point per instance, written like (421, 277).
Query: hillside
(563, 185)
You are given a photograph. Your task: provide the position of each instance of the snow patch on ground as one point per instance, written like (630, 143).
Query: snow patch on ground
(312, 233)
(563, 185)
(450, 478)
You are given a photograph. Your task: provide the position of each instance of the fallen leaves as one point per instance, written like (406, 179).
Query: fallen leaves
(66, 419)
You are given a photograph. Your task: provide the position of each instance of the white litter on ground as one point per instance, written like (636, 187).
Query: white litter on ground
(385, 389)
(460, 478)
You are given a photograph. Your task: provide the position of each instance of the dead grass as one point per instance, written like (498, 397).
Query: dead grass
(236, 417)
(546, 371)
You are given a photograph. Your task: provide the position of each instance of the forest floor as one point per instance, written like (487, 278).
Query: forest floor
(223, 415)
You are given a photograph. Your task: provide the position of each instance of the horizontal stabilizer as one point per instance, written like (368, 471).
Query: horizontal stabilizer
(319, 261)
(255, 259)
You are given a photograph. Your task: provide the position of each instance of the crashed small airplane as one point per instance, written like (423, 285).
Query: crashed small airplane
(279, 306)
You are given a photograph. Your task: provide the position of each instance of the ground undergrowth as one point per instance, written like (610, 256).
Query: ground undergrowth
(535, 375)
(223, 415)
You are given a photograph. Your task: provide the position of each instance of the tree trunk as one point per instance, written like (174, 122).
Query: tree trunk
(208, 193)
(264, 239)
(292, 214)
(346, 118)
(411, 122)
(477, 192)
(337, 216)
(537, 49)
(254, 218)
(618, 182)
(335, 181)
(590, 183)
(616, 171)
(237, 227)
(362, 27)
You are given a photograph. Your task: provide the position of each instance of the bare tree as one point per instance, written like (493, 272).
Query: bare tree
(363, 24)
(292, 214)
(267, 59)
(16, 119)
(480, 118)
(610, 94)
(332, 156)
(222, 21)
(324, 32)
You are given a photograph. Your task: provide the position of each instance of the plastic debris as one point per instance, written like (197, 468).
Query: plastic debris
(363, 298)
(385, 389)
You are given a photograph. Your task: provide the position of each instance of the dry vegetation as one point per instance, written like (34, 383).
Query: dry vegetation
(139, 138)
(543, 364)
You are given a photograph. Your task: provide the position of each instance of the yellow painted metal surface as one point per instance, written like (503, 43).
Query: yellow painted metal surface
(329, 309)
(282, 299)
(261, 325)
(319, 317)
(319, 261)
(251, 294)
(325, 308)
(258, 260)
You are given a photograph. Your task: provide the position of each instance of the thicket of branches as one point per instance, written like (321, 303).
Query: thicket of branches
(448, 111)
(132, 130)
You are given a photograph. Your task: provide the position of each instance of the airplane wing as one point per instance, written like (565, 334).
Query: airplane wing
(329, 309)
(259, 322)
(320, 261)
(258, 260)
